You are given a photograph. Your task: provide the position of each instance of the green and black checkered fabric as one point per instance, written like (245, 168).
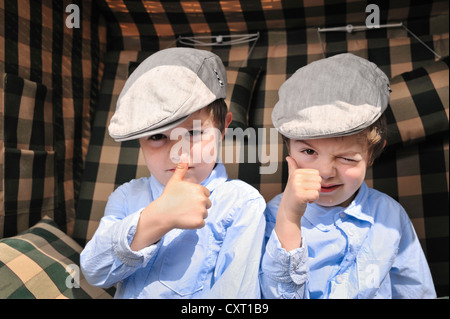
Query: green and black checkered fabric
(43, 263)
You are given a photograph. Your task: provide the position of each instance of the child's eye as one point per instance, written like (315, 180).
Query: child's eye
(156, 137)
(195, 133)
(346, 159)
(309, 151)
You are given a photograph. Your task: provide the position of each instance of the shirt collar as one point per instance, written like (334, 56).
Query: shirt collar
(323, 217)
(218, 176)
(360, 207)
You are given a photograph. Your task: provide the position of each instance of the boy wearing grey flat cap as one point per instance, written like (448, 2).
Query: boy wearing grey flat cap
(329, 235)
(187, 231)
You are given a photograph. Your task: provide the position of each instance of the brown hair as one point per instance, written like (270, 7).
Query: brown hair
(375, 136)
(218, 109)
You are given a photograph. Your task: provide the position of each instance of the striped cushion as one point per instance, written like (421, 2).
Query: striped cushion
(39, 263)
(419, 103)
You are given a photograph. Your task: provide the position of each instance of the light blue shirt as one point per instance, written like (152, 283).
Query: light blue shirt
(220, 260)
(367, 250)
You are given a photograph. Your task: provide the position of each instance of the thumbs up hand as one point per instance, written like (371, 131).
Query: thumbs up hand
(181, 205)
(303, 186)
(184, 204)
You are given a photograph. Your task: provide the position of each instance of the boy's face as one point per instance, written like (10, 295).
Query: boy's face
(341, 162)
(196, 138)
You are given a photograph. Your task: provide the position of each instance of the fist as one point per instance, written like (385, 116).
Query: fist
(303, 186)
(184, 205)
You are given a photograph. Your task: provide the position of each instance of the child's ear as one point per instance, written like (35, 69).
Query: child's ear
(228, 119)
(371, 160)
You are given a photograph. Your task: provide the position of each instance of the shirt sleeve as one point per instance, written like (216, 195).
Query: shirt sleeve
(107, 257)
(283, 274)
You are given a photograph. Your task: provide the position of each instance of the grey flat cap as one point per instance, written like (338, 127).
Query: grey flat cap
(165, 89)
(336, 96)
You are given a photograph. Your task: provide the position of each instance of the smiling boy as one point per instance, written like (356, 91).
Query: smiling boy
(187, 231)
(328, 234)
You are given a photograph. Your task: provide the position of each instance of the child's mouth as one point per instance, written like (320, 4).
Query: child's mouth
(329, 188)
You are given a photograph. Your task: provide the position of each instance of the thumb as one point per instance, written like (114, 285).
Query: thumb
(292, 164)
(181, 169)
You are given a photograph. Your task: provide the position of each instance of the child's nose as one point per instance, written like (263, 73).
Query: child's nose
(176, 148)
(327, 169)
(175, 158)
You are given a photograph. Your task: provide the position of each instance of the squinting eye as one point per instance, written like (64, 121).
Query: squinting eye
(348, 159)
